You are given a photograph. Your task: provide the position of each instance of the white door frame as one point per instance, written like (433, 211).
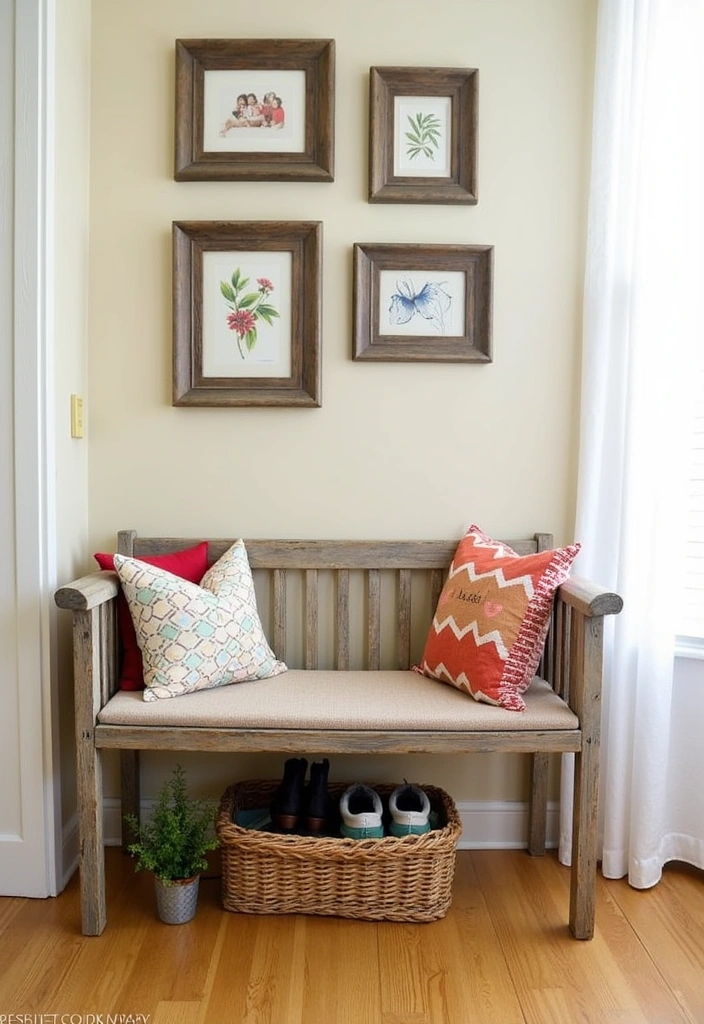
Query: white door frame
(30, 845)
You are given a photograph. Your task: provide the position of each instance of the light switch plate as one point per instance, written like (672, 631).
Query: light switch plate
(76, 416)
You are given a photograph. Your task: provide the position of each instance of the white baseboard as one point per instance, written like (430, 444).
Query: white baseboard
(112, 818)
(501, 825)
(112, 832)
(486, 825)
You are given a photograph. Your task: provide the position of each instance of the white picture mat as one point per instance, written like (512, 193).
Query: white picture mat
(271, 355)
(439, 165)
(220, 92)
(396, 282)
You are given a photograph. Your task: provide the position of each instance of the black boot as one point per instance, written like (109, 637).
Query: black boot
(287, 802)
(318, 806)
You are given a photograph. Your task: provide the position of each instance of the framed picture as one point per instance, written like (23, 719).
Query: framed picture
(246, 313)
(423, 135)
(255, 109)
(423, 303)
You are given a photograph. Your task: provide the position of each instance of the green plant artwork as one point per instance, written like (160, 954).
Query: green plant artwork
(424, 135)
(247, 308)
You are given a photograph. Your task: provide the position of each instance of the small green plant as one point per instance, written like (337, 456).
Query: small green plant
(175, 840)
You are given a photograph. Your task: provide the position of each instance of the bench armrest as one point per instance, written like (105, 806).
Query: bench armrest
(88, 591)
(574, 652)
(588, 598)
(92, 600)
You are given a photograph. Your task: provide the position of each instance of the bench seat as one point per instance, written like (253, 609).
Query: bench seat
(337, 701)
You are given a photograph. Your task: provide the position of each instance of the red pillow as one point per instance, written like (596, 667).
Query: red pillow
(190, 564)
(492, 618)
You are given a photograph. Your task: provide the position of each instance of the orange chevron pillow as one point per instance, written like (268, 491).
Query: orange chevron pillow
(492, 618)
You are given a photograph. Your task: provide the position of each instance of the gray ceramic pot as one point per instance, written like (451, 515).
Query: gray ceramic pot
(176, 903)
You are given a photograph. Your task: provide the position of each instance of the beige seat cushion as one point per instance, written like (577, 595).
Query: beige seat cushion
(384, 700)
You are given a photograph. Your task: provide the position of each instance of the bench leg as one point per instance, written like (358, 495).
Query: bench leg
(90, 828)
(538, 813)
(129, 786)
(587, 646)
(584, 842)
(89, 769)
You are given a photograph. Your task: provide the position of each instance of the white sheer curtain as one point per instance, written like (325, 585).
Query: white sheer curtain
(643, 328)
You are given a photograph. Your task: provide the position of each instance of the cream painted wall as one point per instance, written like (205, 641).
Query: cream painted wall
(396, 450)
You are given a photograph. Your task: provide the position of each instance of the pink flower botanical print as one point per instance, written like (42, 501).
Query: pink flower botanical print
(241, 321)
(247, 308)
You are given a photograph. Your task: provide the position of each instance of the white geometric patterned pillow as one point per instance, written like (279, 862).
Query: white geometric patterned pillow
(196, 637)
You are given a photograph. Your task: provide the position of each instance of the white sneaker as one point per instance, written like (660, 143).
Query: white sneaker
(410, 811)
(361, 810)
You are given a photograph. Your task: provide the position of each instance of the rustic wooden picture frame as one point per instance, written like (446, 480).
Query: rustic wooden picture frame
(403, 298)
(303, 154)
(453, 133)
(239, 337)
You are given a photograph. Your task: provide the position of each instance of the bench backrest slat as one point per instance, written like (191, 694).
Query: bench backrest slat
(404, 618)
(342, 652)
(374, 618)
(279, 612)
(311, 618)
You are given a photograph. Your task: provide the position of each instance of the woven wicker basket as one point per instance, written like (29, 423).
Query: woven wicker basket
(388, 879)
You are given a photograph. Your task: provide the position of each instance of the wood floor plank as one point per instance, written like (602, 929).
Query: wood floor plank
(450, 970)
(669, 920)
(346, 953)
(40, 934)
(502, 955)
(261, 970)
(173, 961)
(600, 981)
(176, 1013)
(201, 1017)
(98, 973)
(8, 909)
(410, 971)
(343, 982)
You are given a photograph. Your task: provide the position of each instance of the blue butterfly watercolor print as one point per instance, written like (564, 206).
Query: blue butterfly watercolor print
(432, 302)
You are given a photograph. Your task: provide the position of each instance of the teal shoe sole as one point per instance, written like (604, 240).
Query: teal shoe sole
(371, 832)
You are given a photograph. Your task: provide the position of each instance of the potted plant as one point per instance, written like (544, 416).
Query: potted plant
(172, 844)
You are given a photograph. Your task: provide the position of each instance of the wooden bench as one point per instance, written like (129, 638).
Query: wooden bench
(359, 608)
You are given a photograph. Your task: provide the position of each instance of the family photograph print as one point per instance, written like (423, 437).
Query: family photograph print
(250, 113)
(254, 111)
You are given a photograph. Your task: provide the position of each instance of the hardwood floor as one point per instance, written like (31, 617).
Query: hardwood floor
(502, 955)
